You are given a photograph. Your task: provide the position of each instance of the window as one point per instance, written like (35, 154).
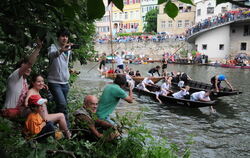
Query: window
(179, 23)
(243, 46)
(181, 8)
(120, 16)
(142, 9)
(233, 31)
(198, 12)
(126, 15)
(137, 15)
(170, 24)
(124, 2)
(186, 23)
(246, 30)
(188, 9)
(131, 14)
(196, 47)
(221, 47)
(163, 24)
(204, 47)
(137, 1)
(223, 9)
(130, 1)
(210, 10)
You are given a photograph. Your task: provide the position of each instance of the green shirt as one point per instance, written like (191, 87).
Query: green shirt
(109, 99)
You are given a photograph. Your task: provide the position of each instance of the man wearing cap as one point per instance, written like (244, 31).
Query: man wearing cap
(216, 81)
(35, 124)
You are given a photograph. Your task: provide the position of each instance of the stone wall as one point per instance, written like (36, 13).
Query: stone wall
(153, 50)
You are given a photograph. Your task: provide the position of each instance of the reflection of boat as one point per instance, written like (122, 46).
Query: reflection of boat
(169, 100)
(136, 79)
(200, 86)
(235, 66)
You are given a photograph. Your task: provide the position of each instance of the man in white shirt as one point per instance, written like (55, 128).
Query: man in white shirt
(144, 83)
(200, 96)
(182, 93)
(119, 61)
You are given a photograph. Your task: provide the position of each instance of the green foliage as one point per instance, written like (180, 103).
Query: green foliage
(95, 9)
(151, 21)
(171, 9)
(23, 21)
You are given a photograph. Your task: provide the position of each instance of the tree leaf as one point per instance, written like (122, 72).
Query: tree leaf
(171, 9)
(187, 1)
(220, 1)
(119, 4)
(161, 1)
(95, 9)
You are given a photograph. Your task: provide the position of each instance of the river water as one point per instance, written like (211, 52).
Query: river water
(225, 134)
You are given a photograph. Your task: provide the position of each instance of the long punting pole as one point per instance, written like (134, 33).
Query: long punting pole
(111, 36)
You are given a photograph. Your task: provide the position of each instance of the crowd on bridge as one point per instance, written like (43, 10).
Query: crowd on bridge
(210, 22)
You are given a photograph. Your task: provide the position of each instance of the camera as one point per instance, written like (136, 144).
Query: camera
(75, 46)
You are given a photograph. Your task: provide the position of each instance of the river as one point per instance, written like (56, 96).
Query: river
(225, 134)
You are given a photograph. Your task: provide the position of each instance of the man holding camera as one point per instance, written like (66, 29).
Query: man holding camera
(58, 73)
(110, 97)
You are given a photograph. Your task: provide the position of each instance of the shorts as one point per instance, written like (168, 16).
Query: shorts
(120, 67)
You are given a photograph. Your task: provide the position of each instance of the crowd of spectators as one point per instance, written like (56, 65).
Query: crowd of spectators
(218, 20)
(160, 37)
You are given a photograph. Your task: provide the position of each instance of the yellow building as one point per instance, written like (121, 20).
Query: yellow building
(130, 19)
(184, 19)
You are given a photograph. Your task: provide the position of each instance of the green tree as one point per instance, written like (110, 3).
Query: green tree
(151, 21)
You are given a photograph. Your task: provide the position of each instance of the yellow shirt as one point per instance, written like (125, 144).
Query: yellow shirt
(34, 123)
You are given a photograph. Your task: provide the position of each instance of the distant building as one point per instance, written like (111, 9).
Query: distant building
(130, 19)
(102, 25)
(146, 6)
(207, 9)
(229, 37)
(183, 21)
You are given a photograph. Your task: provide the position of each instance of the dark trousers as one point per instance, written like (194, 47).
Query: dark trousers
(60, 92)
(48, 128)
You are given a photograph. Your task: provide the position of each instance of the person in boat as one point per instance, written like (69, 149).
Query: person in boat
(201, 96)
(17, 86)
(216, 82)
(164, 65)
(102, 61)
(118, 70)
(110, 97)
(137, 73)
(183, 93)
(85, 118)
(154, 70)
(145, 82)
(165, 89)
(119, 61)
(131, 72)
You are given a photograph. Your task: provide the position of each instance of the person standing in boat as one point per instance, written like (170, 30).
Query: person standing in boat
(164, 65)
(119, 61)
(110, 97)
(154, 70)
(216, 82)
(102, 61)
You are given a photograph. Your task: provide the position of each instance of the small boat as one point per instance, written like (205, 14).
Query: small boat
(171, 101)
(136, 78)
(200, 86)
(235, 66)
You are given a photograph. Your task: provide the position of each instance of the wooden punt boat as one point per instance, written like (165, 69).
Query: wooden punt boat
(171, 101)
(201, 86)
(235, 66)
(136, 79)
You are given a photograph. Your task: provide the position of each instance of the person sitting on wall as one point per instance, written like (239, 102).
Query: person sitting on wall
(216, 82)
(85, 117)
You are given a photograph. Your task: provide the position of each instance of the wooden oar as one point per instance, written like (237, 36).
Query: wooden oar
(93, 67)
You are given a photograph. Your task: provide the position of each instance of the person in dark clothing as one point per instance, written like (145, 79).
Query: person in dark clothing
(154, 70)
(137, 73)
(164, 65)
(216, 81)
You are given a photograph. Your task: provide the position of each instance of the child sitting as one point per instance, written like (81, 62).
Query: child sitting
(36, 125)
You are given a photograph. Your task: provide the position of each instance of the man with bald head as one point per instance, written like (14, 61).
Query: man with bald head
(85, 117)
